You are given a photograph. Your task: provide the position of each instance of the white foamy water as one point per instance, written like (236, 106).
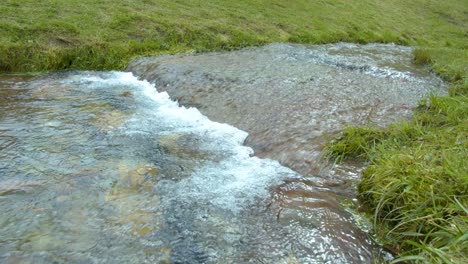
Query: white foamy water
(230, 177)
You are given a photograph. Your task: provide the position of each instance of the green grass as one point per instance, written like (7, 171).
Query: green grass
(87, 34)
(416, 181)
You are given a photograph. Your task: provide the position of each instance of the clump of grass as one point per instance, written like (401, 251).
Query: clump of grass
(449, 63)
(421, 57)
(416, 180)
(460, 88)
(354, 142)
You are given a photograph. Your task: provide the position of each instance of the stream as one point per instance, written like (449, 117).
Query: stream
(104, 167)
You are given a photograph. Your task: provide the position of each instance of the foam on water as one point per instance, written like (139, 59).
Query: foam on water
(233, 179)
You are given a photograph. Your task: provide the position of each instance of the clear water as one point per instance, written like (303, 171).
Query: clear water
(287, 96)
(100, 167)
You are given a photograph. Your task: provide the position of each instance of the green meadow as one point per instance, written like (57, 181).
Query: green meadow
(52, 35)
(415, 184)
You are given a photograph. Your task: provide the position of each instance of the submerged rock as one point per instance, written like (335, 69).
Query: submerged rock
(183, 146)
(50, 91)
(126, 197)
(17, 186)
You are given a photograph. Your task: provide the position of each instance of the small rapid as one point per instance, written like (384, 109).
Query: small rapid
(290, 97)
(99, 167)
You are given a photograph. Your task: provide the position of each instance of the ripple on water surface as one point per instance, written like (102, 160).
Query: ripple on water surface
(98, 167)
(288, 96)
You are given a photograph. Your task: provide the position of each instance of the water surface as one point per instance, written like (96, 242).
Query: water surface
(98, 167)
(101, 167)
(287, 96)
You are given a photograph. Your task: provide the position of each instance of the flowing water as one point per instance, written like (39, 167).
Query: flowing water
(100, 167)
(287, 97)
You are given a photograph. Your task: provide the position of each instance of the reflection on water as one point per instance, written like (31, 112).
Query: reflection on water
(100, 168)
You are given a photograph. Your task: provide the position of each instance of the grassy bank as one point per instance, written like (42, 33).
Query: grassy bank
(87, 34)
(415, 184)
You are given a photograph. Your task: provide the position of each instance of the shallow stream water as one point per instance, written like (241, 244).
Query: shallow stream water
(287, 96)
(101, 167)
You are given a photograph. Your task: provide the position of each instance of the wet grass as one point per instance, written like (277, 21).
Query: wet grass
(415, 184)
(70, 34)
